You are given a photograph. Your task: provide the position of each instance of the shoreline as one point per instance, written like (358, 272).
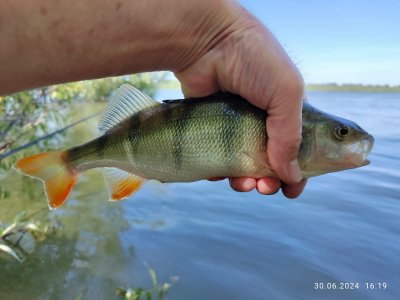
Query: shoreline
(325, 87)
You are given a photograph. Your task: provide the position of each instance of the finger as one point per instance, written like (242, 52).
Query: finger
(284, 125)
(294, 190)
(242, 184)
(268, 186)
(198, 82)
(200, 90)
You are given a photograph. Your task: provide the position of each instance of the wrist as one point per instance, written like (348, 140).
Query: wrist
(199, 27)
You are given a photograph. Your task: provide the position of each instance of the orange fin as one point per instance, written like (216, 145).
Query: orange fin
(121, 184)
(52, 169)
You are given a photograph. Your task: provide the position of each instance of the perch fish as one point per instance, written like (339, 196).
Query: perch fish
(221, 135)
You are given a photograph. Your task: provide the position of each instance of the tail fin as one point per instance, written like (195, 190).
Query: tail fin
(52, 169)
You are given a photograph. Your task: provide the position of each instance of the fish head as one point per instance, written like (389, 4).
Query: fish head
(331, 144)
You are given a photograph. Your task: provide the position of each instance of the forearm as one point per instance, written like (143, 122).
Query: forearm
(45, 42)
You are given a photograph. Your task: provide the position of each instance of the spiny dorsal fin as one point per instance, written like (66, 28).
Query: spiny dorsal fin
(126, 101)
(121, 184)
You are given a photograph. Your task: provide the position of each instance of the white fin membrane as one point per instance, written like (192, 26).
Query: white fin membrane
(125, 102)
(121, 184)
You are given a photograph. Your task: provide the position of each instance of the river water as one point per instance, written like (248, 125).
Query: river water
(342, 232)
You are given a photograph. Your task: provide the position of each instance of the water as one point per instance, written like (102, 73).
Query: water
(225, 245)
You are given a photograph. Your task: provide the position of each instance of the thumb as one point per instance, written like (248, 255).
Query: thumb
(197, 82)
(284, 126)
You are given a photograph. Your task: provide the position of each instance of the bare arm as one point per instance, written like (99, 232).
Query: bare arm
(45, 41)
(211, 45)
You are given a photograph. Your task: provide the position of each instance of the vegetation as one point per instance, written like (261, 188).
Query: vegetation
(334, 87)
(157, 292)
(19, 238)
(171, 84)
(26, 115)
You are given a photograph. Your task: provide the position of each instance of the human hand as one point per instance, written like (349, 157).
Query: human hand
(249, 61)
(211, 45)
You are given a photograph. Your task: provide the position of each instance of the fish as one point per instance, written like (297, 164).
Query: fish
(186, 140)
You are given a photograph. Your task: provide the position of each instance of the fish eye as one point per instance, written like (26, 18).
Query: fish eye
(342, 132)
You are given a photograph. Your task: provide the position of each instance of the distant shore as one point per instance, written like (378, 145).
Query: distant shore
(333, 87)
(328, 87)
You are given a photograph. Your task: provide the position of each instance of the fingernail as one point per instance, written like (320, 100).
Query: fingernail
(294, 171)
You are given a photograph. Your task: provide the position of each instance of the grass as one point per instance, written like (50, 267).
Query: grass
(19, 238)
(156, 292)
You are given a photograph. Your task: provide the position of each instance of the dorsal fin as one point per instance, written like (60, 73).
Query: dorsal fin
(125, 102)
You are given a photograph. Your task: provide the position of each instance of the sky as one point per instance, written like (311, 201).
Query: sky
(337, 41)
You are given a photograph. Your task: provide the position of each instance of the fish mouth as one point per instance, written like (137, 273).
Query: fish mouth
(366, 162)
(358, 152)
